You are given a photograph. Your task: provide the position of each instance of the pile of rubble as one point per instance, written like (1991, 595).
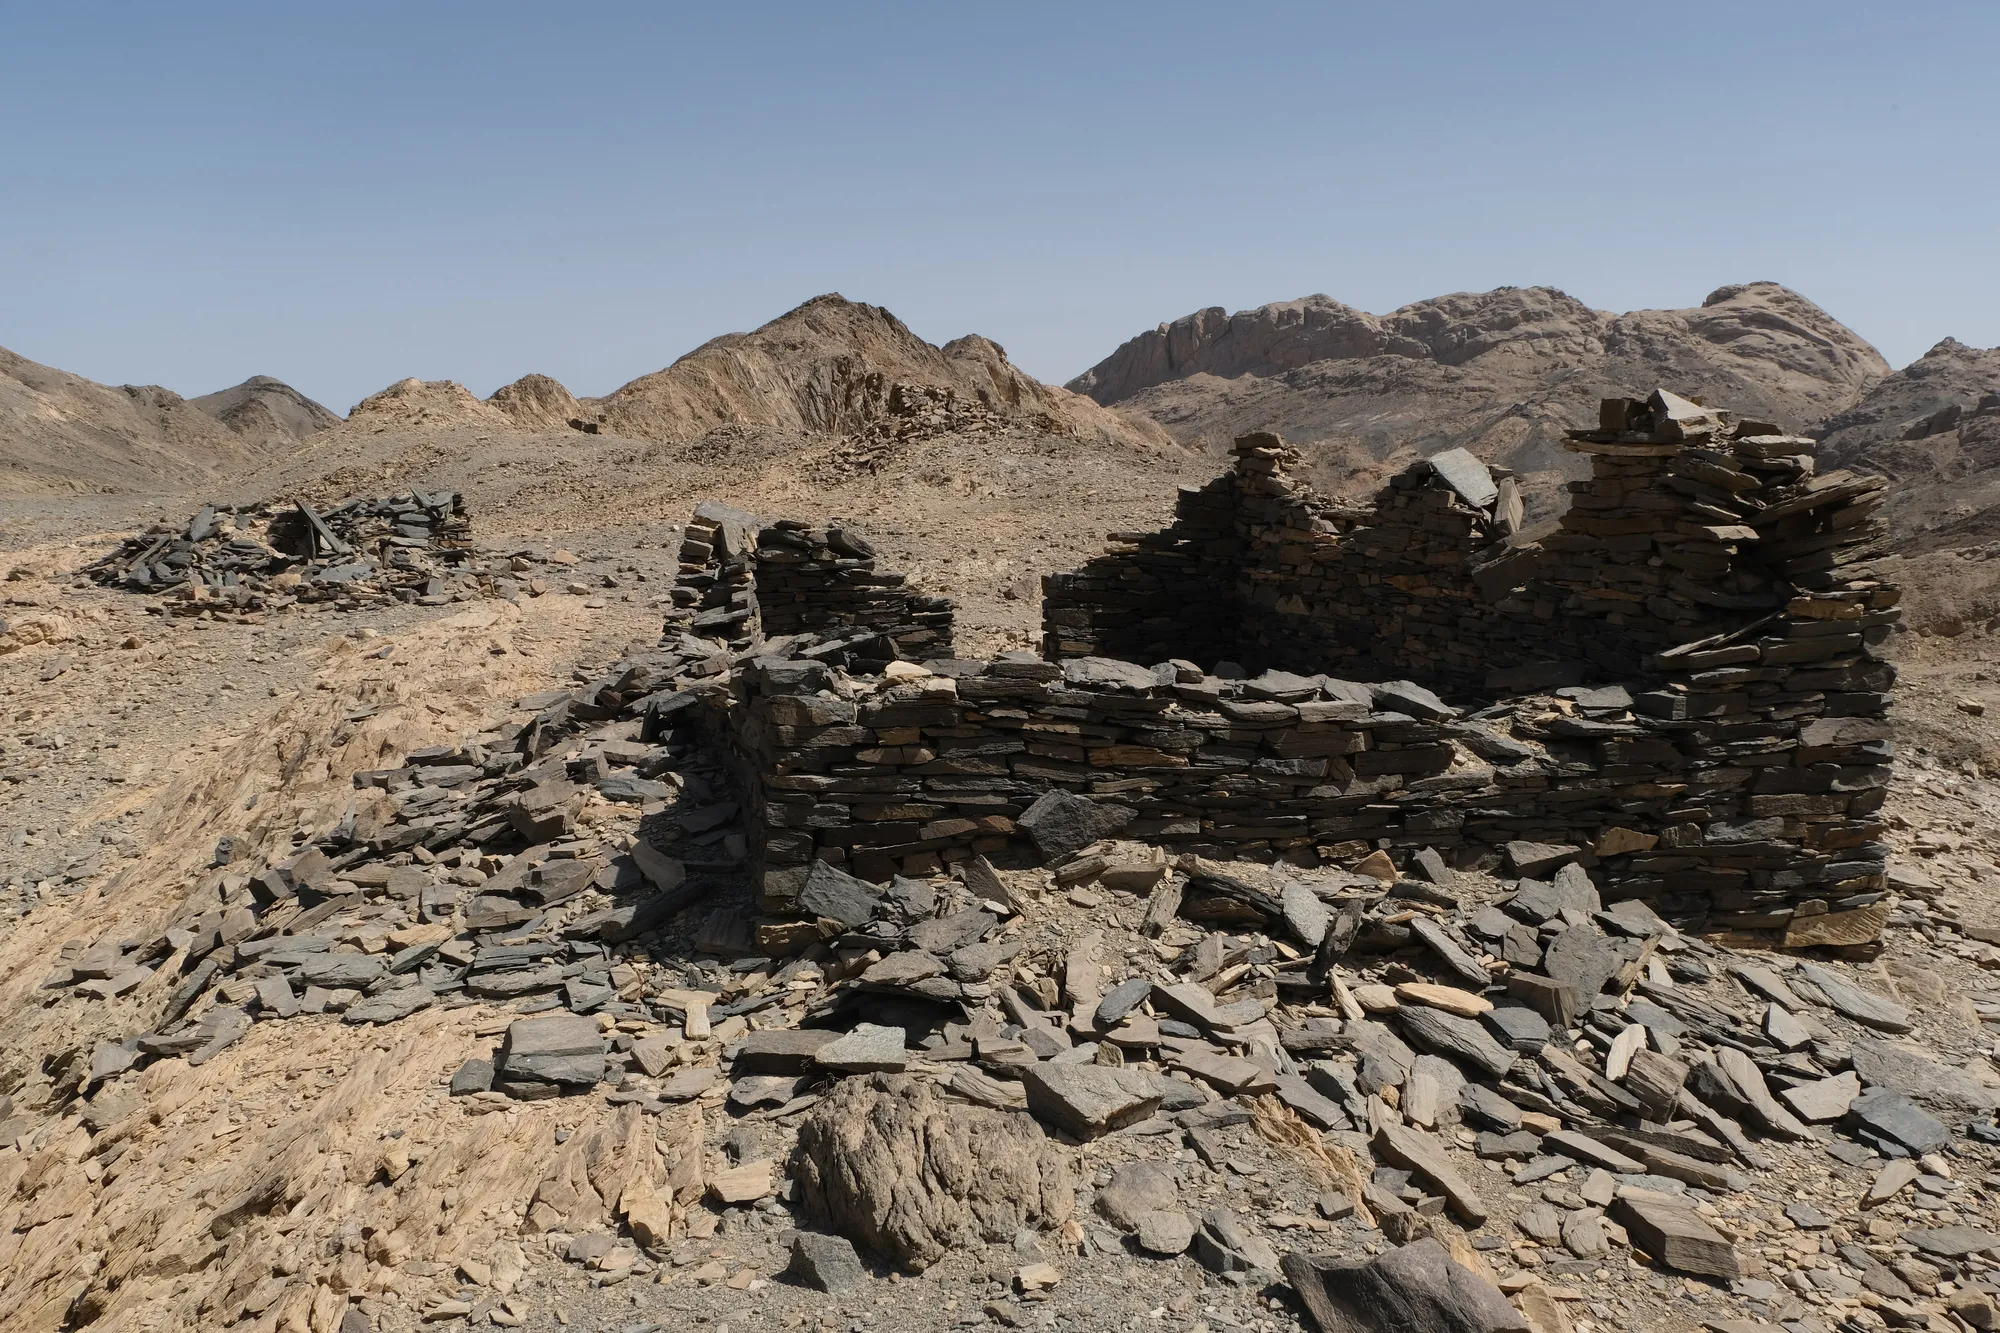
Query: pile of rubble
(414, 547)
(1573, 1096)
(1714, 588)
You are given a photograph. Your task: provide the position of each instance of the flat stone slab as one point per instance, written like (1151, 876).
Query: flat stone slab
(869, 1049)
(1952, 1242)
(1916, 1073)
(782, 1050)
(1417, 1288)
(1520, 1027)
(1120, 1001)
(904, 969)
(555, 1048)
(1532, 860)
(1426, 1156)
(343, 969)
(1461, 470)
(1461, 964)
(1089, 1100)
(1318, 1111)
(1763, 981)
(1448, 1034)
(1890, 1181)
(686, 1084)
(832, 893)
(1583, 1148)
(1749, 1080)
(1305, 915)
(1862, 1005)
(1674, 1234)
(1583, 959)
(1485, 1105)
(1825, 1099)
(1892, 1115)
(389, 1005)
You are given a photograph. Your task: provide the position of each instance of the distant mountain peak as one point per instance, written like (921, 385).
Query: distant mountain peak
(267, 410)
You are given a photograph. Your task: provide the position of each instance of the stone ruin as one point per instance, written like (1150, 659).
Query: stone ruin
(744, 582)
(366, 551)
(1680, 683)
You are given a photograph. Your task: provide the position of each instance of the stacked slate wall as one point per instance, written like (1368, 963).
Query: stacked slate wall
(1704, 622)
(823, 580)
(744, 581)
(715, 594)
(887, 778)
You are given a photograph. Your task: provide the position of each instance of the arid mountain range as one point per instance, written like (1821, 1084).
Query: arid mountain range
(1502, 372)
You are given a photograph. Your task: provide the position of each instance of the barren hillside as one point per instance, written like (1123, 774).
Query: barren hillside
(1500, 372)
(837, 366)
(1934, 427)
(62, 434)
(267, 412)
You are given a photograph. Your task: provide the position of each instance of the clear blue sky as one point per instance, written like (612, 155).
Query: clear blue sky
(343, 195)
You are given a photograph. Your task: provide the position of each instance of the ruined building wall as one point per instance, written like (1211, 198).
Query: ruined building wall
(745, 581)
(1731, 773)
(885, 776)
(1686, 530)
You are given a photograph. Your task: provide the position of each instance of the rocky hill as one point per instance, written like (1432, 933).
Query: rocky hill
(267, 411)
(541, 403)
(1934, 428)
(62, 434)
(1501, 372)
(835, 366)
(415, 403)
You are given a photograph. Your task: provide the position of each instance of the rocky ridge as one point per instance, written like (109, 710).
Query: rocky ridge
(62, 434)
(1498, 372)
(267, 410)
(1933, 428)
(834, 366)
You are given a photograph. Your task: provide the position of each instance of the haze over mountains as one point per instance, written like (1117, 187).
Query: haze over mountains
(1502, 372)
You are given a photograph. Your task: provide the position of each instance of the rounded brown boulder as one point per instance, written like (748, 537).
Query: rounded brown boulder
(895, 1168)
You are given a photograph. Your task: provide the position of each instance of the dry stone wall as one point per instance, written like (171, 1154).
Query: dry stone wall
(742, 581)
(1683, 679)
(901, 775)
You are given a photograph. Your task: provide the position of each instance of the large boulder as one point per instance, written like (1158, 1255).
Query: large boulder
(1415, 1289)
(1061, 822)
(894, 1168)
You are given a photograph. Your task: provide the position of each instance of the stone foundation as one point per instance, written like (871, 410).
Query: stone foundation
(1683, 678)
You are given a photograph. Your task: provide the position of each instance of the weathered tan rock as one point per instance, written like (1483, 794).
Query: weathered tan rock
(894, 1168)
(1863, 925)
(1451, 999)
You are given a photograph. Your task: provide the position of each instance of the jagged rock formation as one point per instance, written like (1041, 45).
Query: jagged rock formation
(1933, 428)
(64, 434)
(1498, 372)
(538, 402)
(835, 366)
(426, 403)
(267, 411)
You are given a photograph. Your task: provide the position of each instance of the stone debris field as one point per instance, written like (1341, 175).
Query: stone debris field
(1356, 918)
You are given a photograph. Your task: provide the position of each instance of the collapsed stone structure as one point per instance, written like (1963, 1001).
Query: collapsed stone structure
(416, 546)
(1704, 620)
(742, 581)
